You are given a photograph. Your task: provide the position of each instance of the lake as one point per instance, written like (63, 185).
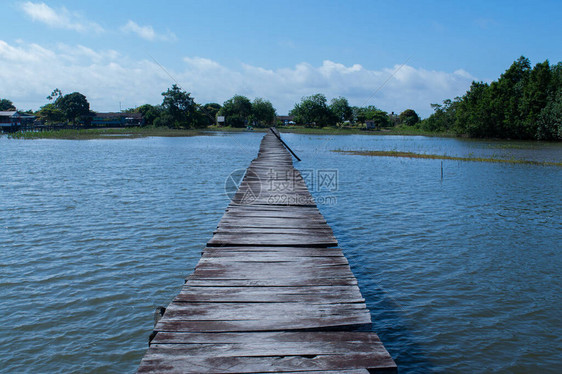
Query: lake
(461, 272)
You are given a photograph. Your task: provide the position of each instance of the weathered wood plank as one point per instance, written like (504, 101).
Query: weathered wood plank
(288, 282)
(263, 258)
(289, 251)
(220, 239)
(308, 294)
(342, 322)
(274, 230)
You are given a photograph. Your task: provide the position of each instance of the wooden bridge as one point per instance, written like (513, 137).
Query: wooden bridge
(271, 293)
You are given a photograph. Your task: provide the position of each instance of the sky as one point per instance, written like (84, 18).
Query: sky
(395, 55)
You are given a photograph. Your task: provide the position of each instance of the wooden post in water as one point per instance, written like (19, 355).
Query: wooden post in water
(285, 144)
(271, 292)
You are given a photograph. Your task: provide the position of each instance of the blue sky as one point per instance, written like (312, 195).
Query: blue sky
(126, 53)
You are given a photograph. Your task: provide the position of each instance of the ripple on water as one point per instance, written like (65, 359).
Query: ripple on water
(460, 274)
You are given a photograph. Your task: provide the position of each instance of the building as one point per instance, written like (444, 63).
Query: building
(117, 119)
(286, 120)
(370, 124)
(12, 120)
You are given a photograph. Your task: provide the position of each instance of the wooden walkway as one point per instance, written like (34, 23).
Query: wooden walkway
(271, 293)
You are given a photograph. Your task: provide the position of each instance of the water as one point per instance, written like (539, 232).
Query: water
(461, 274)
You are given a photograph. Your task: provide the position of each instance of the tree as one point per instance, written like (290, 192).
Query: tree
(263, 113)
(380, 119)
(180, 108)
(208, 114)
(443, 117)
(549, 124)
(6, 104)
(313, 110)
(409, 117)
(73, 106)
(473, 115)
(535, 97)
(149, 113)
(372, 113)
(50, 114)
(341, 109)
(55, 96)
(236, 110)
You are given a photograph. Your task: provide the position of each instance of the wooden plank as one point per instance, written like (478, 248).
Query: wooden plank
(315, 231)
(329, 337)
(288, 282)
(220, 239)
(338, 323)
(289, 251)
(306, 294)
(174, 361)
(249, 311)
(272, 222)
(272, 269)
(245, 208)
(265, 258)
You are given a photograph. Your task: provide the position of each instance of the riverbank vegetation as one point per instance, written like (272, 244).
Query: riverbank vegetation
(106, 133)
(524, 103)
(445, 157)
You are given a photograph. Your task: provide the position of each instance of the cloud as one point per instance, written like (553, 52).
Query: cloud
(61, 18)
(147, 32)
(29, 72)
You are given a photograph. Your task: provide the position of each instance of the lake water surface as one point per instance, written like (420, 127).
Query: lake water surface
(461, 274)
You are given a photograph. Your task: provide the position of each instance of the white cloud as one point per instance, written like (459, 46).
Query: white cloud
(147, 32)
(61, 18)
(29, 72)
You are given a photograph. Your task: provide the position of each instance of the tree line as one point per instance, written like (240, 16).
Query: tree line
(314, 111)
(524, 103)
(180, 111)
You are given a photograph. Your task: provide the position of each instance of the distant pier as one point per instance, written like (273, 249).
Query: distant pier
(271, 292)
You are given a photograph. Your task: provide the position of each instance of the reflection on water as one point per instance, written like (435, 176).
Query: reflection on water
(460, 273)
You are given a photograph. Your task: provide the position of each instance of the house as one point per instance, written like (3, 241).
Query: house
(12, 120)
(117, 119)
(287, 120)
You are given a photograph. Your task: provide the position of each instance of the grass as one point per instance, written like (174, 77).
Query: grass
(108, 133)
(445, 157)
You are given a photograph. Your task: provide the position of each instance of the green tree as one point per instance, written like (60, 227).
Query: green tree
(179, 107)
(380, 119)
(549, 123)
(6, 104)
(55, 96)
(341, 110)
(49, 113)
(372, 113)
(74, 106)
(473, 116)
(505, 99)
(237, 111)
(535, 97)
(313, 111)
(263, 113)
(208, 114)
(409, 117)
(149, 113)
